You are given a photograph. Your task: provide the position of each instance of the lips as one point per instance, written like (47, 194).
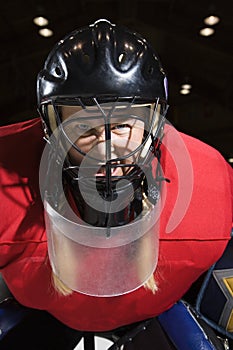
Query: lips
(114, 170)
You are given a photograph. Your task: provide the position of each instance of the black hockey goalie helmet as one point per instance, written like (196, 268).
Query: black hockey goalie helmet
(104, 71)
(102, 60)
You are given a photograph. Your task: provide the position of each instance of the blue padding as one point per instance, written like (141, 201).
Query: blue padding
(11, 314)
(183, 329)
(214, 301)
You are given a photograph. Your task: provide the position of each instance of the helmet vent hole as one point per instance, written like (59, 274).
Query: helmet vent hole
(86, 58)
(122, 58)
(150, 70)
(58, 71)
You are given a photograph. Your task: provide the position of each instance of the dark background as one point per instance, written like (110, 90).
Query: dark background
(172, 26)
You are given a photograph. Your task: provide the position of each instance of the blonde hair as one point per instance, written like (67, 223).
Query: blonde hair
(63, 290)
(59, 286)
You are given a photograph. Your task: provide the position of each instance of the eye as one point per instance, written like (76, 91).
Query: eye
(83, 127)
(121, 127)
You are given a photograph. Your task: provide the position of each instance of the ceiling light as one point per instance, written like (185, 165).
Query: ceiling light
(46, 32)
(40, 21)
(206, 31)
(185, 91)
(211, 20)
(186, 86)
(230, 160)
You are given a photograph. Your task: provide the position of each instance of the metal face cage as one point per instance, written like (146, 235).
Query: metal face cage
(110, 140)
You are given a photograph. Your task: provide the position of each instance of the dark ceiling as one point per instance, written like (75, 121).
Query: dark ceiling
(172, 26)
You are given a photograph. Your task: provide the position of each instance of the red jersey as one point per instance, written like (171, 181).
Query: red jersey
(191, 240)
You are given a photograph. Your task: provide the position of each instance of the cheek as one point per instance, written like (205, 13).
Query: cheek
(75, 157)
(85, 144)
(137, 135)
(127, 143)
(135, 139)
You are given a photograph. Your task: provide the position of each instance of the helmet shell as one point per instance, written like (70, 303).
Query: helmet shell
(102, 59)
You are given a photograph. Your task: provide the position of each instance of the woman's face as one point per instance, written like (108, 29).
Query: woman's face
(88, 132)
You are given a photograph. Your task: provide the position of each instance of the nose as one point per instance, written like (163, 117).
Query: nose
(104, 151)
(100, 133)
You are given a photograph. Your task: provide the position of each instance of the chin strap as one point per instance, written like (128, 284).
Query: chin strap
(152, 185)
(99, 218)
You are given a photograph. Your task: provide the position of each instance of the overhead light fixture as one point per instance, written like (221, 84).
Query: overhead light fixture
(41, 21)
(206, 31)
(185, 91)
(186, 86)
(46, 32)
(230, 160)
(211, 20)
